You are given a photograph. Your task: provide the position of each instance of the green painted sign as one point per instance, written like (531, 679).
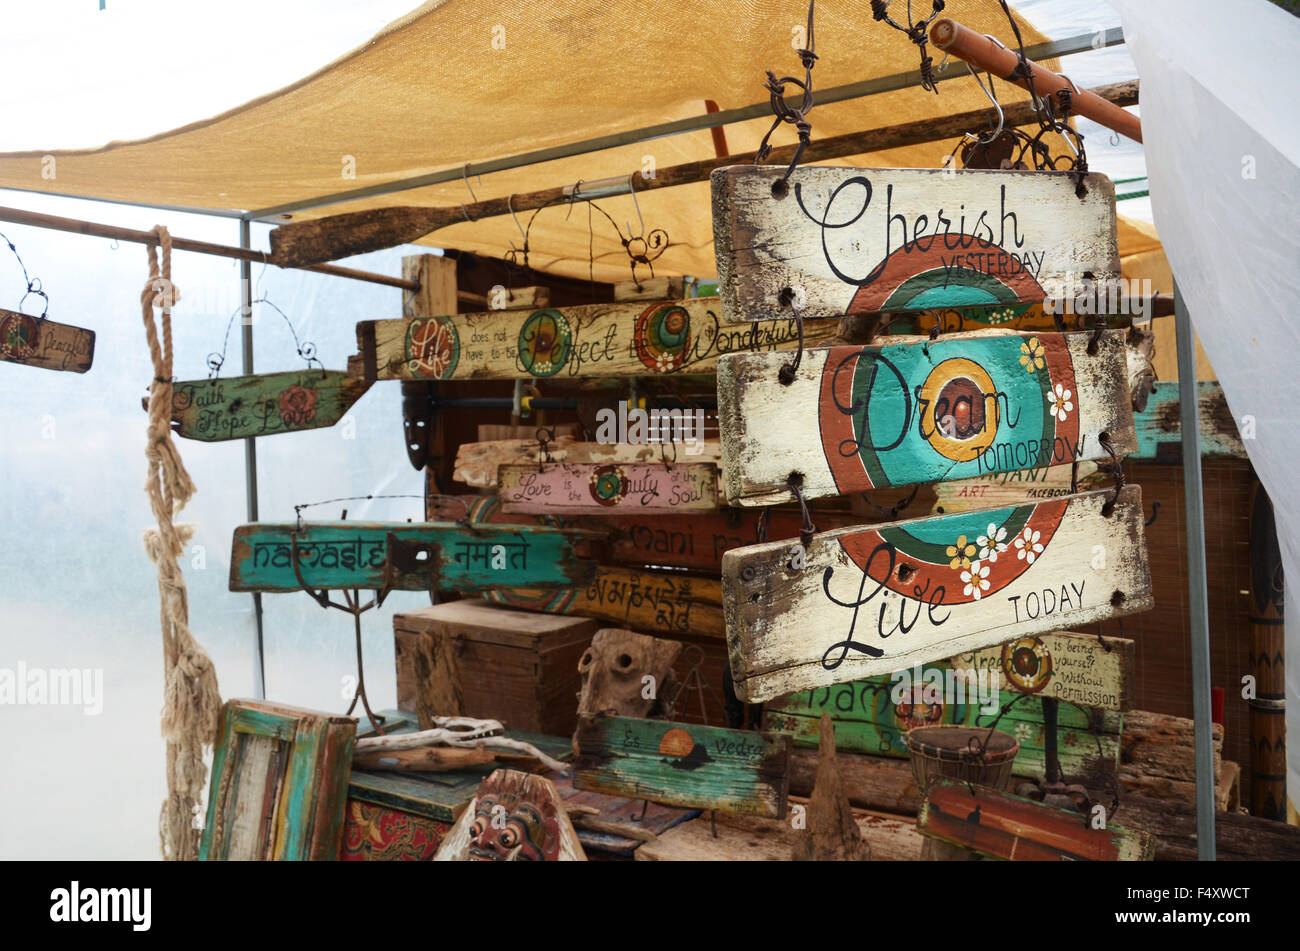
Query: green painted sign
(683, 764)
(263, 404)
(405, 556)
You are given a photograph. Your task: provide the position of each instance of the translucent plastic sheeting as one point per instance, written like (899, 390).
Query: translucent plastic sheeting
(85, 780)
(1223, 156)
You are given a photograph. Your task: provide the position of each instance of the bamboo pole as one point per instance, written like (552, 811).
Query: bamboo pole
(95, 230)
(985, 53)
(325, 239)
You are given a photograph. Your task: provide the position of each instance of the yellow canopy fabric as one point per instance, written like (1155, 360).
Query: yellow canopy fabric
(463, 81)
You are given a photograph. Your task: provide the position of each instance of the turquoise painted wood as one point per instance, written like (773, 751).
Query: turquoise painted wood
(263, 404)
(406, 556)
(683, 764)
(279, 781)
(1160, 429)
(857, 418)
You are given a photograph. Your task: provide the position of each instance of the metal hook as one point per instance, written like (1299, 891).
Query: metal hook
(632, 190)
(522, 232)
(996, 105)
(464, 174)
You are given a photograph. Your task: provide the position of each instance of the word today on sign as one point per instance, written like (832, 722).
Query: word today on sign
(864, 240)
(857, 418)
(866, 601)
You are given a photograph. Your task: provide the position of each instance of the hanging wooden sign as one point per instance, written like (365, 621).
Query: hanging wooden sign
(655, 602)
(857, 418)
(477, 463)
(1160, 425)
(621, 339)
(683, 764)
(873, 716)
(514, 817)
(404, 556)
(1014, 488)
(863, 240)
(1081, 669)
(41, 342)
(264, 404)
(930, 587)
(1003, 826)
(589, 488)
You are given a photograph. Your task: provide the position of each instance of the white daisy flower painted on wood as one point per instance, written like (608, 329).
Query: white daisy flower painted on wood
(976, 580)
(1058, 401)
(992, 543)
(1028, 545)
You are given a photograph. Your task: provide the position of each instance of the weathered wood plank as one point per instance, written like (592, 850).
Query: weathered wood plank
(697, 542)
(1003, 826)
(478, 463)
(1014, 488)
(872, 717)
(683, 764)
(1081, 669)
(263, 404)
(655, 602)
(1160, 428)
(857, 418)
(404, 556)
(860, 240)
(632, 338)
(44, 343)
(587, 488)
(1044, 566)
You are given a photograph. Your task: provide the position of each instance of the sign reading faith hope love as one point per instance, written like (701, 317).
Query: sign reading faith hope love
(962, 406)
(863, 240)
(867, 601)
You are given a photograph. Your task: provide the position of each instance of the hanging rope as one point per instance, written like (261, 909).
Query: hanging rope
(191, 701)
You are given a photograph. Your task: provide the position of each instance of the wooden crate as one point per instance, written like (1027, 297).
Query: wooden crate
(473, 659)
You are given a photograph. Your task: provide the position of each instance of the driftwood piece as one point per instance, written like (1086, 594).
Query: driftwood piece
(833, 833)
(795, 618)
(45, 343)
(1158, 744)
(870, 782)
(614, 671)
(1238, 837)
(263, 404)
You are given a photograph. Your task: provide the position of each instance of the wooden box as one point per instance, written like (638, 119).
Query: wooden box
(279, 782)
(470, 658)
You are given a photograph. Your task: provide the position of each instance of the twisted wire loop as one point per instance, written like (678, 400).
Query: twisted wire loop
(297, 509)
(917, 31)
(305, 348)
(788, 370)
(544, 439)
(643, 249)
(32, 285)
(781, 109)
(897, 508)
(1117, 470)
(806, 531)
(760, 530)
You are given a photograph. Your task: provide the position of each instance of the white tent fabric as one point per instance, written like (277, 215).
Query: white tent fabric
(1223, 156)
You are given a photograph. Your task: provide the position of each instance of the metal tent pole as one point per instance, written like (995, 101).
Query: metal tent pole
(1198, 601)
(250, 444)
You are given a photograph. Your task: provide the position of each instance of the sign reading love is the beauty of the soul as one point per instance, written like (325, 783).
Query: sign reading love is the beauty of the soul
(864, 240)
(867, 601)
(591, 488)
(857, 418)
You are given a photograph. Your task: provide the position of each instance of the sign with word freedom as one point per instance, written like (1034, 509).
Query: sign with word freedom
(631, 338)
(864, 240)
(858, 418)
(866, 601)
(404, 556)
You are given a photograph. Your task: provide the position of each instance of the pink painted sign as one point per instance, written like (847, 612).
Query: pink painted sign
(597, 488)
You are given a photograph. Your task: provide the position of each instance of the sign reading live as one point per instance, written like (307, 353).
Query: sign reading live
(861, 240)
(857, 418)
(872, 600)
(40, 342)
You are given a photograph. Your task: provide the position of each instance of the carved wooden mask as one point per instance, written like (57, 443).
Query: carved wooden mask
(614, 669)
